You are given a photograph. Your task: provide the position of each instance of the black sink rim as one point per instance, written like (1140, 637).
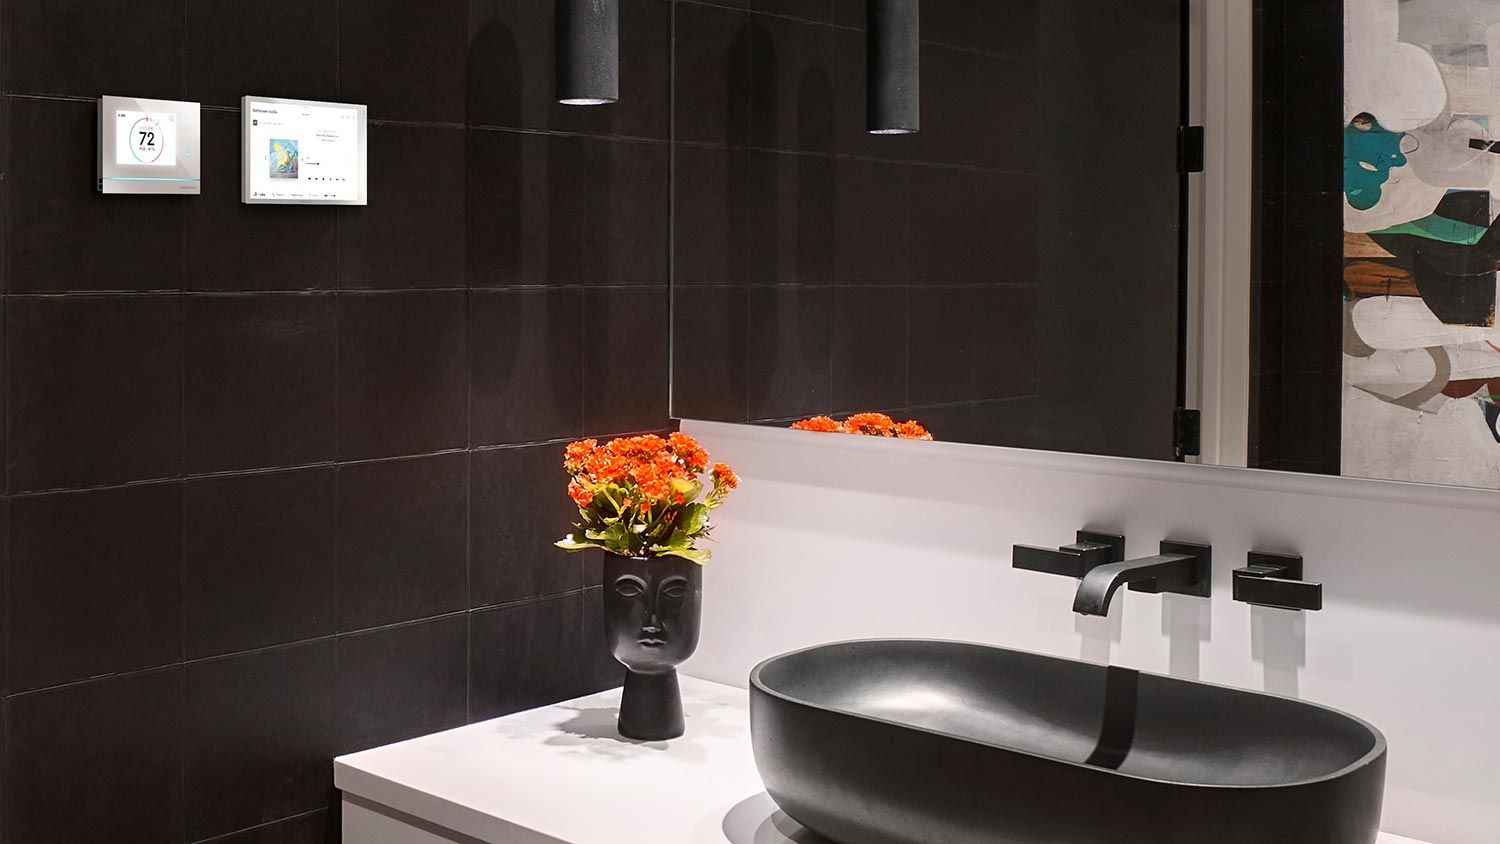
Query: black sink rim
(1377, 750)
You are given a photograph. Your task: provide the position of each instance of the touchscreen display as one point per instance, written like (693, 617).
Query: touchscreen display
(145, 138)
(298, 151)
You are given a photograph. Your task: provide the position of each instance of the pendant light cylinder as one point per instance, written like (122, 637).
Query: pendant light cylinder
(893, 60)
(588, 52)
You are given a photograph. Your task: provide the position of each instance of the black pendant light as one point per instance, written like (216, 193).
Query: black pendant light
(893, 52)
(588, 52)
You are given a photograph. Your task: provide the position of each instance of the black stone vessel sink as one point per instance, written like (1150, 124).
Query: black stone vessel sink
(927, 742)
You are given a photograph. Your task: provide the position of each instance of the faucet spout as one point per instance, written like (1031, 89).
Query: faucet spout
(1162, 573)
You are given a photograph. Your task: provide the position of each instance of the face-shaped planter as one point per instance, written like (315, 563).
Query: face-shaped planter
(651, 608)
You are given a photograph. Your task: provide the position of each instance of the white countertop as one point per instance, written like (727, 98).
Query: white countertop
(562, 774)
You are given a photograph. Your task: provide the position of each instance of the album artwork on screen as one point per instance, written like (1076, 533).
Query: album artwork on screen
(1421, 350)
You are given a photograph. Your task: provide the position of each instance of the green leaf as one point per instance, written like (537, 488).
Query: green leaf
(694, 517)
(570, 544)
(676, 542)
(698, 556)
(688, 488)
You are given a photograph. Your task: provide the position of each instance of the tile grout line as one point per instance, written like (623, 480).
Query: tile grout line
(237, 832)
(184, 664)
(297, 467)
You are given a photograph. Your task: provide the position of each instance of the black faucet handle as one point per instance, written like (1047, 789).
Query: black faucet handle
(1091, 550)
(1275, 580)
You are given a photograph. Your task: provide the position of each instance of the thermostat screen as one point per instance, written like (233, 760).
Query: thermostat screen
(142, 137)
(299, 152)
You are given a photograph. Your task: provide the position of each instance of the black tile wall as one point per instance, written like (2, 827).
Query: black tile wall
(258, 733)
(514, 522)
(400, 682)
(520, 648)
(790, 373)
(402, 532)
(95, 390)
(405, 59)
(82, 48)
(281, 482)
(791, 217)
(941, 352)
(944, 227)
(414, 236)
(870, 219)
(870, 344)
(233, 49)
(712, 61)
(711, 215)
(625, 236)
(258, 381)
(259, 560)
(625, 359)
(1008, 29)
(791, 88)
(526, 379)
(95, 583)
(950, 22)
(949, 108)
(1005, 342)
(532, 238)
(710, 328)
(126, 733)
(403, 373)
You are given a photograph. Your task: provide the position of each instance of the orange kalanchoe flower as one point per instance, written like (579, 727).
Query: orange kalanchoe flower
(577, 453)
(868, 424)
(871, 424)
(693, 455)
(725, 476)
(821, 424)
(638, 496)
(911, 429)
(581, 495)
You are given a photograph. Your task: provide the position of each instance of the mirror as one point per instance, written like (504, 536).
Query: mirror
(1028, 270)
(1373, 294)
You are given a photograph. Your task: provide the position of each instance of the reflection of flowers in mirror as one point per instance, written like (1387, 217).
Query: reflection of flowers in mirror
(868, 424)
(639, 496)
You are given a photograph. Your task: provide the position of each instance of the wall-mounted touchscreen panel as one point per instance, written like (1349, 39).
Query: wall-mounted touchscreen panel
(148, 146)
(302, 152)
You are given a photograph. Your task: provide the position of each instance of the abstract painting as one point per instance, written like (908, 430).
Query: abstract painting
(1421, 245)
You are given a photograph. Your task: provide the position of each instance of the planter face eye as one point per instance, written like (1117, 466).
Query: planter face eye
(651, 611)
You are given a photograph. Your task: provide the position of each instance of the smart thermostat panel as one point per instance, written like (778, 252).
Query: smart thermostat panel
(301, 152)
(148, 146)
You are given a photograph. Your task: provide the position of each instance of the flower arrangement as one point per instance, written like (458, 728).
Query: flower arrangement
(867, 424)
(638, 496)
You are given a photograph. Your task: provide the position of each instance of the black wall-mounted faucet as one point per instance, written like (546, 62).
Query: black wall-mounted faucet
(1092, 549)
(1183, 568)
(1275, 580)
